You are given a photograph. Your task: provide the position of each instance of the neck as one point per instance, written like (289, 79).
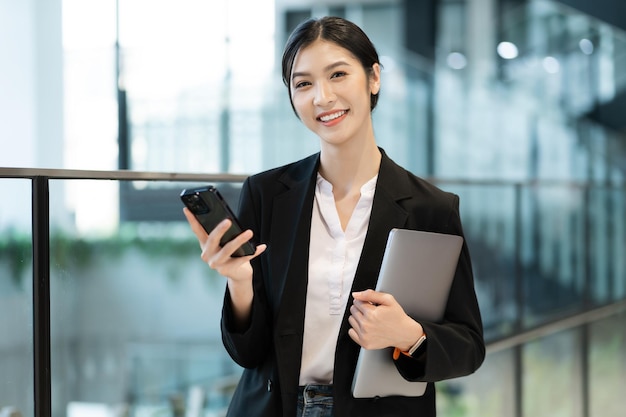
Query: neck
(349, 167)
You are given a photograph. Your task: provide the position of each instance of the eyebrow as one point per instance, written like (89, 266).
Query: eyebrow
(326, 69)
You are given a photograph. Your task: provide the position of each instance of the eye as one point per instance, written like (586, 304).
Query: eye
(301, 84)
(338, 74)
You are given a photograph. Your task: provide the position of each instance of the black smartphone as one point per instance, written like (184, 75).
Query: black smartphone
(210, 208)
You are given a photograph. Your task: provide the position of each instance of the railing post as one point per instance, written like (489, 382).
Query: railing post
(587, 302)
(518, 365)
(585, 352)
(41, 296)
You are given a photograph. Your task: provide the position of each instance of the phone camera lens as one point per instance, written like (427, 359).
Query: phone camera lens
(196, 204)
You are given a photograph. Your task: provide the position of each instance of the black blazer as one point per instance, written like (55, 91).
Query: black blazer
(277, 206)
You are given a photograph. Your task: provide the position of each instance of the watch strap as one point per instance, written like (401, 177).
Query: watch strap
(412, 349)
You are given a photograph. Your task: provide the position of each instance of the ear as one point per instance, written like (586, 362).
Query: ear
(375, 79)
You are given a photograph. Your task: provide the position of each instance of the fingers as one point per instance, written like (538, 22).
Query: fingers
(374, 319)
(196, 227)
(374, 297)
(218, 257)
(360, 320)
(237, 269)
(362, 332)
(354, 336)
(355, 330)
(213, 251)
(259, 250)
(361, 307)
(210, 242)
(201, 234)
(235, 243)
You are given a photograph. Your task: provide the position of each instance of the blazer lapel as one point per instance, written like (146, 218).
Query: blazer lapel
(290, 239)
(290, 232)
(392, 186)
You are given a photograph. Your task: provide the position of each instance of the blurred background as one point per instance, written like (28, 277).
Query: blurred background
(114, 106)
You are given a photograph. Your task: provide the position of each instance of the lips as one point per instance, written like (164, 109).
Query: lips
(331, 116)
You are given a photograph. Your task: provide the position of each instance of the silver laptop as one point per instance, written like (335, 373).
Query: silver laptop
(417, 269)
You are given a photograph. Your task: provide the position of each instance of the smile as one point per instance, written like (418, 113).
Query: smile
(332, 116)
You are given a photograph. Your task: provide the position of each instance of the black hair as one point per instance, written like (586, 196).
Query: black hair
(333, 29)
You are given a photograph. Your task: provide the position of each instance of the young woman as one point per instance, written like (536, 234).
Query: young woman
(297, 312)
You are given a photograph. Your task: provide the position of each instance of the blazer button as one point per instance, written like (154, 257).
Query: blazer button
(269, 385)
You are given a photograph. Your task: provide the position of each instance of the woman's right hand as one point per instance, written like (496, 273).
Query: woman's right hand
(237, 269)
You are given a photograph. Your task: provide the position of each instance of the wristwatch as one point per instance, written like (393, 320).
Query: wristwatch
(417, 344)
(411, 351)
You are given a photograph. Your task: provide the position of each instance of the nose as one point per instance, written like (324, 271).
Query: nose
(323, 94)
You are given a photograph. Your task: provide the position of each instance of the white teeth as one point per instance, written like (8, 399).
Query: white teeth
(329, 117)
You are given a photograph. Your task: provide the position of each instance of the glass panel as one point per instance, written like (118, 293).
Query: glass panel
(90, 103)
(618, 244)
(559, 43)
(600, 245)
(553, 252)
(490, 392)
(16, 298)
(552, 376)
(607, 367)
(401, 117)
(553, 65)
(134, 313)
(196, 91)
(489, 214)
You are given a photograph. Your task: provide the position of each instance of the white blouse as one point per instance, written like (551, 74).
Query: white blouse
(333, 258)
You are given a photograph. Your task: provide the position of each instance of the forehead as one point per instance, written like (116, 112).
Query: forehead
(319, 54)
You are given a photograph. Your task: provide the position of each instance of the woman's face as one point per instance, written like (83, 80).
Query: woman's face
(330, 91)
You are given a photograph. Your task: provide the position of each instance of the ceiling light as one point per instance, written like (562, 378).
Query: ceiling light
(507, 50)
(456, 60)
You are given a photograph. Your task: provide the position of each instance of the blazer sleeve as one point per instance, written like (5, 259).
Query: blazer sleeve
(455, 346)
(248, 347)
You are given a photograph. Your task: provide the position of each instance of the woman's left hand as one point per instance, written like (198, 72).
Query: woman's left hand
(378, 321)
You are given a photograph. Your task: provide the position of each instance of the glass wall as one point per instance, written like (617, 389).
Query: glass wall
(514, 100)
(542, 251)
(491, 391)
(206, 95)
(16, 298)
(553, 378)
(577, 372)
(134, 315)
(89, 80)
(607, 366)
